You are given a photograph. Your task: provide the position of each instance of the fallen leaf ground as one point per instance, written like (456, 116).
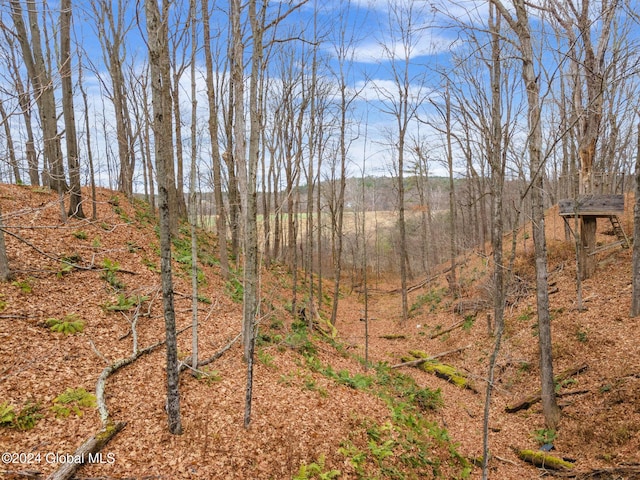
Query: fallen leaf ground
(301, 415)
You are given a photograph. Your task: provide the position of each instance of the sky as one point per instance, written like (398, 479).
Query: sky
(377, 38)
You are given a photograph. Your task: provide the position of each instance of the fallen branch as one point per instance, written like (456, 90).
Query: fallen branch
(613, 472)
(533, 398)
(186, 363)
(420, 361)
(58, 259)
(95, 443)
(111, 369)
(419, 284)
(452, 327)
(15, 474)
(569, 393)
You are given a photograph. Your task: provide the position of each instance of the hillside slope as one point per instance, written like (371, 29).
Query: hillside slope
(315, 410)
(600, 427)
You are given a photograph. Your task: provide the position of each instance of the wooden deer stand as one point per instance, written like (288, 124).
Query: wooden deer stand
(588, 208)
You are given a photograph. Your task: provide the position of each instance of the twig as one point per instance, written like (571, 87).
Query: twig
(505, 460)
(452, 327)
(98, 353)
(58, 259)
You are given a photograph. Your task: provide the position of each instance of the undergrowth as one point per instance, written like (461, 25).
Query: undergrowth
(403, 447)
(25, 419)
(68, 325)
(73, 400)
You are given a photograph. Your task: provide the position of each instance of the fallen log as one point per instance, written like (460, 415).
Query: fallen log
(544, 460)
(89, 448)
(533, 398)
(94, 444)
(440, 370)
(613, 472)
(393, 336)
(420, 361)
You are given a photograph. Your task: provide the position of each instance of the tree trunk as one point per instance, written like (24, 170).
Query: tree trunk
(192, 189)
(635, 279)
(453, 281)
(43, 85)
(9, 140)
(220, 213)
(92, 176)
(497, 166)
(522, 29)
(89, 448)
(24, 100)
(5, 273)
(68, 111)
(158, 54)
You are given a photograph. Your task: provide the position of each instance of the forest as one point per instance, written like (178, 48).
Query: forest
(276, 176)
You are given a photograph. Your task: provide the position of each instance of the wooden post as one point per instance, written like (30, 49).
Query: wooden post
(588, 244)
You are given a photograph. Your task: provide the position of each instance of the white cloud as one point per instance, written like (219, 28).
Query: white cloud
(380, 50)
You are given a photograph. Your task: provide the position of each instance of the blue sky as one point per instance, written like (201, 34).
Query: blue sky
(374, 36)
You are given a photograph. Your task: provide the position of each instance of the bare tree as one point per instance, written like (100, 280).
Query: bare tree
(521, 27)
(160, 89)
(24, 101)
(178, 43)
(401, 103)
(4, 119)
(590, 78)
(221, 216)
(635, 279)
(192, 188)
(68, 111)
(41, 78)
(5, 272)
(447, 131)
(498, 165)
(87, 133)
(112, 27)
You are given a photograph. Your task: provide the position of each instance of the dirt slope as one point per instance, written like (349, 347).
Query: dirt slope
(307, 410)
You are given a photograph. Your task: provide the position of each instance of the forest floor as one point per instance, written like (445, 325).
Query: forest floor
(316, 410)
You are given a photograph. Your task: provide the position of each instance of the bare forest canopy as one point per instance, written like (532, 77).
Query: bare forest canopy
(290, 104)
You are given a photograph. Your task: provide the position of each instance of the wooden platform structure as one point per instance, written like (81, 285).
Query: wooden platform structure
(598, 206)
(592, 206)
